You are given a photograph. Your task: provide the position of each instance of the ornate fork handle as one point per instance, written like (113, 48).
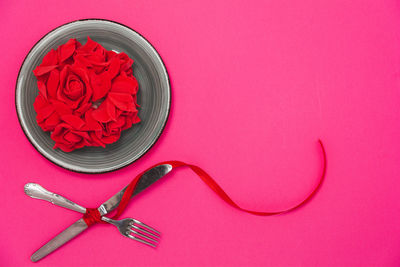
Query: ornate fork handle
(37, 191)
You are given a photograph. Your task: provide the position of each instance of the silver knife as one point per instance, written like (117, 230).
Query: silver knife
(148, 178)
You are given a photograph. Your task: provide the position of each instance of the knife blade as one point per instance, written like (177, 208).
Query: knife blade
(147, 179)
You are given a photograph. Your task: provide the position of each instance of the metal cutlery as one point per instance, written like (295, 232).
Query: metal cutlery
(147, 179)
(129, 227)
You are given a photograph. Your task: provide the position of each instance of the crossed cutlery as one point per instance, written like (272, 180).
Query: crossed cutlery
(129, 227)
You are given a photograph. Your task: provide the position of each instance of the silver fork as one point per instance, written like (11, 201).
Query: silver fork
(125, 228)
(128, 227)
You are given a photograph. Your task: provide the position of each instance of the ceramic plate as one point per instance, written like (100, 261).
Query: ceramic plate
(153, 97)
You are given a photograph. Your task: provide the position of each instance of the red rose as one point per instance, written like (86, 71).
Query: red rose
(87, 95)
(74, 88)
(69, 138)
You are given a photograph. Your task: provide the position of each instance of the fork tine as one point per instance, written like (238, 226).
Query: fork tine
(144, 231)
(142, 235)
(141, 240)
(147, 226)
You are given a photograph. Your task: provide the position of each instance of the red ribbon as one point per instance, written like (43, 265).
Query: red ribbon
(92, 216)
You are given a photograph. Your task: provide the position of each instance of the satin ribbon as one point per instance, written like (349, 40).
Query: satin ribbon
(93, 216)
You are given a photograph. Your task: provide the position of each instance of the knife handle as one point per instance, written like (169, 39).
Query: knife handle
(37, 191)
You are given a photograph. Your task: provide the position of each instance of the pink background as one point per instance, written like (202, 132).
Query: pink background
(254, 85)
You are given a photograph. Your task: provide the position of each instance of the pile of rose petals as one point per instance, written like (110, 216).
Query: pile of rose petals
(87, 95)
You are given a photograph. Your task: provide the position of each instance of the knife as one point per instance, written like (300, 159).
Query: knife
(147, 179)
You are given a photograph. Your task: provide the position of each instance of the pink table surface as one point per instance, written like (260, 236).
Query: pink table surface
(254, 85)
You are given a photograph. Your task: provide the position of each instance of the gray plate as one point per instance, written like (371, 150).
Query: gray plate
(153, 97)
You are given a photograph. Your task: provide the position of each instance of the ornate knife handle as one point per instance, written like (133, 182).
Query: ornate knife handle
(37, 191)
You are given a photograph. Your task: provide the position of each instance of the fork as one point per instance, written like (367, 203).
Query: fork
(129, 227)
(125, 228)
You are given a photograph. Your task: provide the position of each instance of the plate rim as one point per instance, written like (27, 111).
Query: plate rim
(110, 169)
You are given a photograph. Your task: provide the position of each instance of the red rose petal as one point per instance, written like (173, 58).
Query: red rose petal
(60, 128)
(58, 134)
(110, 55)
(44, 113)
(81, 61)
(96, 140)
(101, 115)
(42, 88)
(128, 123)
(105, 112)
(73, 120)
(95, 59)
(78, 45)
(52, 121)
(50, 58)
(126, 61)
(66, 50)
(111, 139)
(89, 46)
(40, 102)
(124, 84)
(135, 100)
(64, 147)
(100, 51)
(81, 72)
(82, 109)
(113, 68)
(63, 74)
(72, 138)
(85, 138)
(98, 69)
(122, 101)
(129, 72)
(41, 70)
(82, 134)
(101, 84)
(61, 108)
(98, 57)
(118, 123)
(90, 123)
(52, 83)
(135, 119)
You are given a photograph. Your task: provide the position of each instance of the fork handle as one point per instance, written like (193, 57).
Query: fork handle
(37, 191)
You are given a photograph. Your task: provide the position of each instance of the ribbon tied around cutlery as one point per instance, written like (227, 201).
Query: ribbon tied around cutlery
(93, 216)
